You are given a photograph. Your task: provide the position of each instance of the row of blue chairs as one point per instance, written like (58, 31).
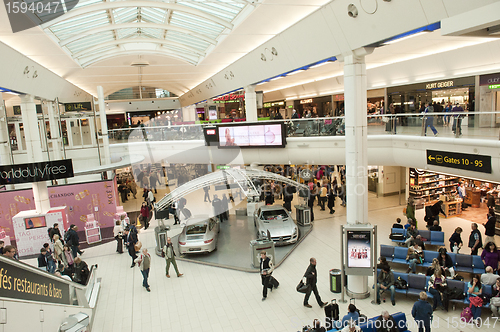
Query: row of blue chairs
(419, 282)
(461, 262)
(369, 325)
(434, 238)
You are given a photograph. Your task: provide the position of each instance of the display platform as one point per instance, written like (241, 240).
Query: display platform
(233, 249)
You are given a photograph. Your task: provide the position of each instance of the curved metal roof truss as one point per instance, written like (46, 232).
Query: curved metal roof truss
(189, 27)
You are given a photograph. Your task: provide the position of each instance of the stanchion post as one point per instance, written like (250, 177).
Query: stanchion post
(374, 263)
(342, 275)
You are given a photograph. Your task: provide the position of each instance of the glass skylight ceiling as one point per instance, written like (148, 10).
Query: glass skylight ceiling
(96, 29)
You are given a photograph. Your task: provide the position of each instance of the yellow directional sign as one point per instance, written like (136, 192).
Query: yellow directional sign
(470, 162)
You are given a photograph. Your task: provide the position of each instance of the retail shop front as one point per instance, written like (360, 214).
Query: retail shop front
(489, 94)
(412, 98)
(427, 188)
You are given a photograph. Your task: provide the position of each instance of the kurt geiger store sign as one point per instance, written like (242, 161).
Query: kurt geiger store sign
(35, 172)
(439, 85)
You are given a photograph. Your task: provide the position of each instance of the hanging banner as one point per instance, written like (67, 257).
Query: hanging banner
(35, 172)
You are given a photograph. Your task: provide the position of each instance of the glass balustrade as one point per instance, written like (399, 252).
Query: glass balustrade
(483, 125)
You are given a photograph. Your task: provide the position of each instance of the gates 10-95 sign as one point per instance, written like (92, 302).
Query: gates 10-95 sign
(469, 162)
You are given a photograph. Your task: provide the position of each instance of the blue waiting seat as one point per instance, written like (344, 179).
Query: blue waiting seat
(426, 235)
(437, 238)
(429, 256)
(458, 284)
(400, 255)
(403, 276)
(477, 265)
(399, 231)
(399, 318)
(464, 263)
(453, 257)
(416, 284)
(387, 252)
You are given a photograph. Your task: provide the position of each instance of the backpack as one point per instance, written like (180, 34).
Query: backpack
(466, 315)
(66, 237)
(397, 236)
(455, 293)
(458, 277)
(49, 231)
(400, 283)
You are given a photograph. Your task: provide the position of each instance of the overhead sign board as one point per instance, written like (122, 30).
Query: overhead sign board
(35, 172)
(23, 284)
(495, 86)
(469, 162)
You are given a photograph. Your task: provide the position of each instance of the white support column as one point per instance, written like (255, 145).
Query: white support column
(35, 154)
(104, 126)
(251, 103)
(356, 153)
(55, 136)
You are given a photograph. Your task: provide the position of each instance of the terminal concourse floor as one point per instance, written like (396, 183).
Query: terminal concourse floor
(208, 298)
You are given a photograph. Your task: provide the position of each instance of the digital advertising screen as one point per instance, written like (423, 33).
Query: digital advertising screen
(358, 249)
(34, 222)
(265, 135)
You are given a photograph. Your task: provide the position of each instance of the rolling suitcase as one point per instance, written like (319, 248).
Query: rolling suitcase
(332, 313)
(273, 283)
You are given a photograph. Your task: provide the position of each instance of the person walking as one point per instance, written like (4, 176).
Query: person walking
(422, 313)
(131, 242)
(429, 119)
(331, 198)
(225, 207)
(153, 180)
(323, 192)
(74, 240)
(144, 262)
(207, 195)
(144, 216)
(169, 253)
(475, 241)
(490, 226)
(266, 269)
(311, 280)
(217, 205)
(117, 234)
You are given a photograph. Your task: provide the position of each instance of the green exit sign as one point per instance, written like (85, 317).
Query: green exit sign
(223, 167)
(496, 86)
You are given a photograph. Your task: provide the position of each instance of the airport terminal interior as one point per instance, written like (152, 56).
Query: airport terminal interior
(304, 129)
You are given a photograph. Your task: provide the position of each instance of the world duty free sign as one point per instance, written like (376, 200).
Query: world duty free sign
(35, 172)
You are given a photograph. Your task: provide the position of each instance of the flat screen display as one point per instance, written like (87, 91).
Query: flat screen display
(358, 249)
(266, 135)
(34, 222)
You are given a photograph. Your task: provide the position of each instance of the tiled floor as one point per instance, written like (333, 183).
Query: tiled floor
(215, 299)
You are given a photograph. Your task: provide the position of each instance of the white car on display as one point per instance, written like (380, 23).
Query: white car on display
(199, 235)
(276, 220)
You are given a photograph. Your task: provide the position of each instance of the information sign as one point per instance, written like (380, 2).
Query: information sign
(469, 162)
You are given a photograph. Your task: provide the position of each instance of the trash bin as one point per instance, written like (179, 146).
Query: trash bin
(335, 280)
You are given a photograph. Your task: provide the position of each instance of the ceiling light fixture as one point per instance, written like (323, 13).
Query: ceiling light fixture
(319, 64)
(405, 38)
(277, 78)
(295, 72)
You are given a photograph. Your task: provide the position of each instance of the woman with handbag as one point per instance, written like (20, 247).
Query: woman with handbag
(476, 302)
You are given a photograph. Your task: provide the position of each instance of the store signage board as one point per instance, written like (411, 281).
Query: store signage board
(35, 172)
(439, 85)
(489, 79)
(495, 86)
(469, 162)
(306, 101)
(23, 284)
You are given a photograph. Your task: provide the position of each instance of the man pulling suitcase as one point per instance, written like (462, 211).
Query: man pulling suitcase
(266, 269)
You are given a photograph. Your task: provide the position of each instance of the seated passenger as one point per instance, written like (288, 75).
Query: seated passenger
(397, 224)
(415, 256)
(435, 227)
(352, 315)
(383, 262)
(446, 263)
(386, 323)
(385, 281)
(473, 291)
(351, 327)
(489, 278)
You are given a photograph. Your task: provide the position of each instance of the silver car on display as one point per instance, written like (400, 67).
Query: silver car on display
(278, 221)
(199, 235)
